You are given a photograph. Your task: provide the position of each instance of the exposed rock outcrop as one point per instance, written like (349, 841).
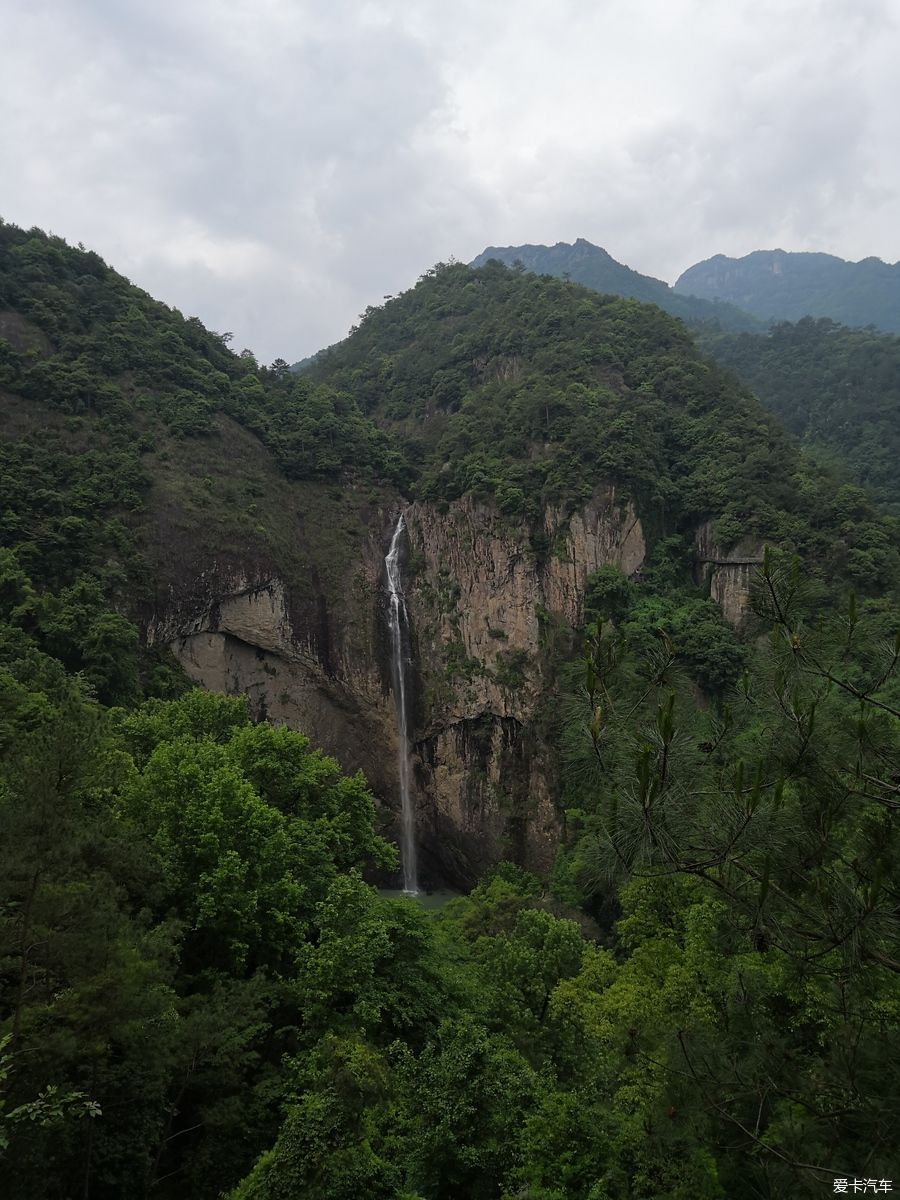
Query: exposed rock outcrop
(482, 593)
(728, 573)
(302, 658)
(480, 597)
(483, 590)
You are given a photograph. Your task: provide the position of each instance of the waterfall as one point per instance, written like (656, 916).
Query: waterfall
(397, 616)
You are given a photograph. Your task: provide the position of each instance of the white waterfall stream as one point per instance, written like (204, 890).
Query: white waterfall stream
(397, 618)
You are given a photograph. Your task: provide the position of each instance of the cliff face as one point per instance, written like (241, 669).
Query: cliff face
(310, 648)
(481, 604)
(485, 598)
(727, 573)
(480, 599)
(305, 645)
(249, 641)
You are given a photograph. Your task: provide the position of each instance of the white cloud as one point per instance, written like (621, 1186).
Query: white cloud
(274, 166)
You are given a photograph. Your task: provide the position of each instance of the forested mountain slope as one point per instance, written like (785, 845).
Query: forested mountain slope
(147, 469)
(692, 991)
(785, 286)
(529, 390)
(836, 389)
(833, 387)
(590, 265)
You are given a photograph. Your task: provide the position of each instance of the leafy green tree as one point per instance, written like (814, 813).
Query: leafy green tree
(83, 981)
(468, 1093)
(778, 810)
(370, 968)
(335, 1143)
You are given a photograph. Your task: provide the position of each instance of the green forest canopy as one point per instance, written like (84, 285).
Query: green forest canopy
(201, 995)
(197, 984)
(836, 389)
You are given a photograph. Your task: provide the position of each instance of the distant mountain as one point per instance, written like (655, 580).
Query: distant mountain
(592, 266)
(776, 284)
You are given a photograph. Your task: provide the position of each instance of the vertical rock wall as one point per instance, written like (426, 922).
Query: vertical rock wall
(727, 573)
(480, 600)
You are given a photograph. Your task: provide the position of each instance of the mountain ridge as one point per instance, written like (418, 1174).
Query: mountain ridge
(592, 266)
(789, 285)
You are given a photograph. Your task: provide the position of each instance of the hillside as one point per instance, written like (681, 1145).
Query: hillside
(106, 386)
(157, 485)
(529, 390)
(777, 285)
(836, 389)
(582, 262)
(653, 721)
(236, 516)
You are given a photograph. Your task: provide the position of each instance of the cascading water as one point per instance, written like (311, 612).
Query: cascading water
(397, 616)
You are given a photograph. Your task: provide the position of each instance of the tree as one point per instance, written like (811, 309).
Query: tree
(782, 812)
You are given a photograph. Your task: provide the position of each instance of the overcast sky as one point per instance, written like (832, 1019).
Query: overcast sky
(273, 166)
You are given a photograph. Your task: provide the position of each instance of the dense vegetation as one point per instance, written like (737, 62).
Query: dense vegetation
(836, 389)
(487, 382)
(594, 268)
(115, 376)
(527, 390)
(201, 995)
(195, 976)
(776, 285)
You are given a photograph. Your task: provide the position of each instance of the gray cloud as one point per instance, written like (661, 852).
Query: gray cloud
(274, 166)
